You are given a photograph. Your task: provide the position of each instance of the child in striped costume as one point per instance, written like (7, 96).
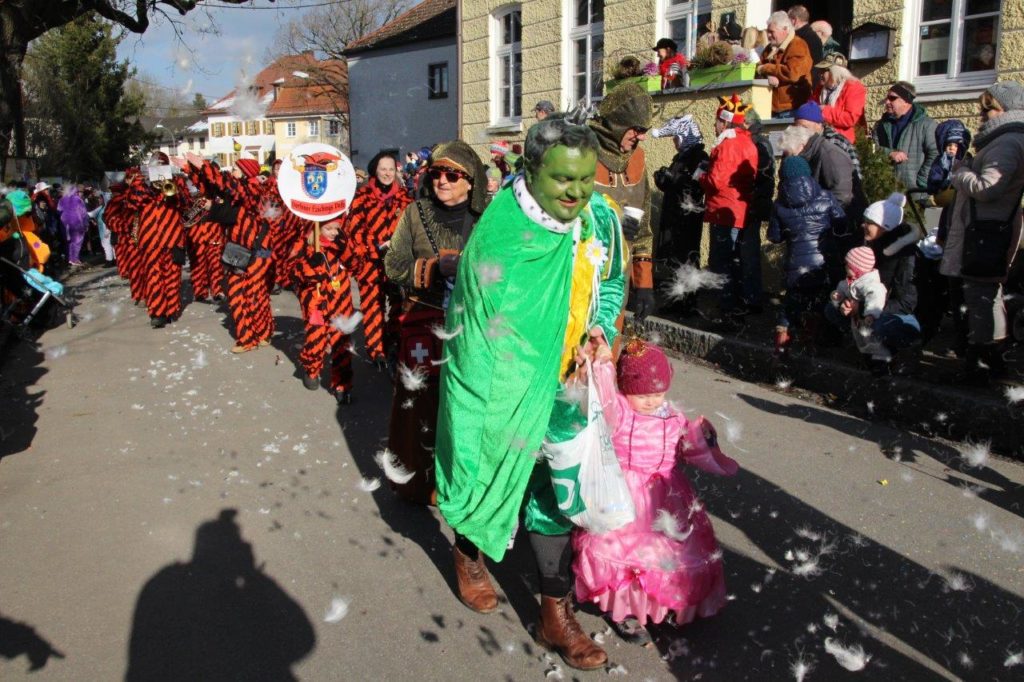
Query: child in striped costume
(666, 560)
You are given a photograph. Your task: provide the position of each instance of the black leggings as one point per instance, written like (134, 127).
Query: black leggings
(554, 561)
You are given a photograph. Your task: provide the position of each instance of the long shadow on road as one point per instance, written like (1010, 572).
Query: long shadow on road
(217, 617)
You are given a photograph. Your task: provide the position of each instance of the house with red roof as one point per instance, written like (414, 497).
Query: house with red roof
(297, 99)
(402, 82)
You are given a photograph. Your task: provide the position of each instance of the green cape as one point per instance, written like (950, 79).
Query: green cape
(510, 308)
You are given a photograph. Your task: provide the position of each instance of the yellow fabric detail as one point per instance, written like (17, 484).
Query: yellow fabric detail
(580, 297)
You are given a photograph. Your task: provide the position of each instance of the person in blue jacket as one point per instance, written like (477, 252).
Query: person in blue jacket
(805, 217)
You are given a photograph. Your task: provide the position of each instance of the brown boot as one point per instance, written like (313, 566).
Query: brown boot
(559, 631)
(475, 589)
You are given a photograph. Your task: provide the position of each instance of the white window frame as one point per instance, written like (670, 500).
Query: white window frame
(437, 71)
(314, 128)
(976, 80)
(333, 127)
(498, 52)
(667, 13)
(290, 129)
(576, 33)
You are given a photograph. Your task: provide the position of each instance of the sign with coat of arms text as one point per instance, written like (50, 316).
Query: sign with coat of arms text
(317, 182)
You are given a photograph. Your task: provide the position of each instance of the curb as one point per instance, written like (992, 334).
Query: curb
(920, 407)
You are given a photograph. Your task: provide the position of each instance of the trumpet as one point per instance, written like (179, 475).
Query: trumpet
(168, 188)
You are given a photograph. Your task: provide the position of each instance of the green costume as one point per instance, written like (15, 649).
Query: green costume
(510, 311)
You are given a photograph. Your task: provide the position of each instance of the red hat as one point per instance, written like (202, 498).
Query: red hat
(499, 147)
(732, 110)
(159, 158)
(250, 167)
(643, 369)
(861, 260)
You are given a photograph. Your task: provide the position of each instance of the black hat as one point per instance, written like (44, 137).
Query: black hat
(668, 43)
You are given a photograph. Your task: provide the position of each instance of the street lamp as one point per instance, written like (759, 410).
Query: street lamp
(174, 138)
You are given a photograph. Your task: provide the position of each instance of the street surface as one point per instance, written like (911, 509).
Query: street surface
(172, 510)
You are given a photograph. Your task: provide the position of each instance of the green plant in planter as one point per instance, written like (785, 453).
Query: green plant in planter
(876, 173)
(716, 54)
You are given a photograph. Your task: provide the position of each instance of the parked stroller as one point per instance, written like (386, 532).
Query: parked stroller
(31, 301)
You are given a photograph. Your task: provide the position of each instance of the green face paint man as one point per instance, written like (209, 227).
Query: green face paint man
(564, 182)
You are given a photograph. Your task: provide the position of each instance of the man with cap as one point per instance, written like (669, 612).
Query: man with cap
(543, 109)
(623, 118)
(907, 134)
(729, 188)
(671, 65)
(833, 160)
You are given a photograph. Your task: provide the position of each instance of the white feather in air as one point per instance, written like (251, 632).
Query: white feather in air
(975, 454)
(413, 378)
(852, 658)
(440, 332)
(1014, 394)
(668, 525)
(368, 485)
(687, 279)
(347, 324)
(393, 469)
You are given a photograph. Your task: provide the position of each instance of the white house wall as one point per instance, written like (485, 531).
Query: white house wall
(389, 99)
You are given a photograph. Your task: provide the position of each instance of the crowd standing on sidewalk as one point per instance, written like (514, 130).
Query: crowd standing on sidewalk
(494, 297)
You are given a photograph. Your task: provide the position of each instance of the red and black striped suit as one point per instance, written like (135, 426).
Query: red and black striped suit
(371, 222)
(205, 246)
(160, 230)
(239, 213)
(324, 291)
(120, 220)
(287, 235)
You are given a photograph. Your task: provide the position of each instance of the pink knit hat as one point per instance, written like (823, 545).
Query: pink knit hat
(643, 369)
(861, 260)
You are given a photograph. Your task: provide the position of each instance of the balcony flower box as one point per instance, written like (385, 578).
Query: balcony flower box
(724, 73)
(648, 83)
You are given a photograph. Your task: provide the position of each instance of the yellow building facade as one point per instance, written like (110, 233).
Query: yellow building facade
(515, 54)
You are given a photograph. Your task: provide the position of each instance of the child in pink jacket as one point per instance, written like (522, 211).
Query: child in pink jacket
(666, 560)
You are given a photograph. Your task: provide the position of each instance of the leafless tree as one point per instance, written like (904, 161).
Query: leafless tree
(22, 21)
(327, 30)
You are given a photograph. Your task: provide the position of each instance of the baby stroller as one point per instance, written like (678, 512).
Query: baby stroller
(32, 302)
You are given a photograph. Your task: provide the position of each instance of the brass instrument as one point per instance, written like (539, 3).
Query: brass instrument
(168, 188)
(135, 229)
(195, 213)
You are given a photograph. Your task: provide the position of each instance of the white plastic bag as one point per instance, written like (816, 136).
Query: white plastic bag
(586, 476)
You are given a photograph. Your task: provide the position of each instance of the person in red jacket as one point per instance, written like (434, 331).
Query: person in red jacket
(841, 97)
(671, 64)
(322, 282)
(728, 186)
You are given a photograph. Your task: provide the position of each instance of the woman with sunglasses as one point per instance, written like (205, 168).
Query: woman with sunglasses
(422, 259)
(985, 226)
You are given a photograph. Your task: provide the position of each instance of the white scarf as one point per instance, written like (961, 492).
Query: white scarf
(537, 214)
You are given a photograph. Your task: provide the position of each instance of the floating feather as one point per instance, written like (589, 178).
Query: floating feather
(440, 332)
(413, 378)
(668, 525)
(368, 485)
(393, 469)
(852, 658)
(688, 279)
(337, 610)
(347, 324)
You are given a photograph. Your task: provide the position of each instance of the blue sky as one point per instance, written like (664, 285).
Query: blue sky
(205, 62)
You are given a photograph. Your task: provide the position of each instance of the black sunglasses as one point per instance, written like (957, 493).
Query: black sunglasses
(449, 174)
(892, 98)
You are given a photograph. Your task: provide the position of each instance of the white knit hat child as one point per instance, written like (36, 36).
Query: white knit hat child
(887, 214)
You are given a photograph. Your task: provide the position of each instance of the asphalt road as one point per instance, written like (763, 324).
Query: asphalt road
(172, 510)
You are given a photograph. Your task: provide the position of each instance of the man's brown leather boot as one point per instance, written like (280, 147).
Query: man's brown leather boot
(475, 589)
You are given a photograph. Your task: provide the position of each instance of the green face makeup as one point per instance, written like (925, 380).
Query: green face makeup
(564, 182)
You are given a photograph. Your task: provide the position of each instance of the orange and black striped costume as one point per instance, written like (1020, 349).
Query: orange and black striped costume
(205, 246)
(371, 222)
(159, 231)
(287, 235)
(121, 220)
(238, 212)
(322, 284)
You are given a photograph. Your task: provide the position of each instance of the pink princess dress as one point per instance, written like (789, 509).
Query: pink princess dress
(638, 570)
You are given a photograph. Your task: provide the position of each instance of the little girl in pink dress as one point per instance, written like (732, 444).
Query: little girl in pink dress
(667, 560)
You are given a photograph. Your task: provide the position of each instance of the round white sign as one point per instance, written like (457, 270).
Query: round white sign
(316, 181)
